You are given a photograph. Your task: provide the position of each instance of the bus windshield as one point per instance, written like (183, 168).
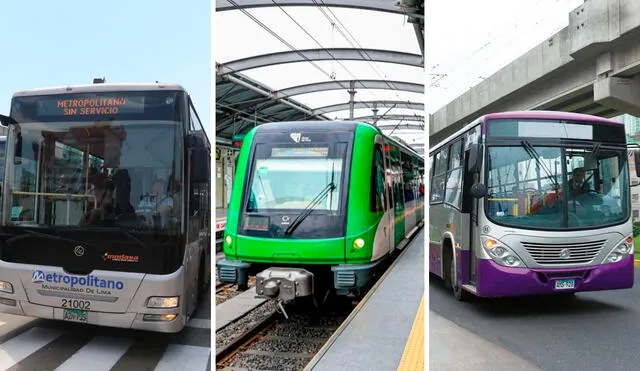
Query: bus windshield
(546, 187)
(109, 159)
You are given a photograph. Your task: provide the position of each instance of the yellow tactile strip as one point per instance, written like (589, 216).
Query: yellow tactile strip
(413, 355)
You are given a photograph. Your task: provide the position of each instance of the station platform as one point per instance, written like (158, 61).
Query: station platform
(386, 330)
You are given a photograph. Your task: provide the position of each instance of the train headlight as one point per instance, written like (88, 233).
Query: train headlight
(622, 249)
(500, 253)
(163, 302)
(358, 243)
(228, 240)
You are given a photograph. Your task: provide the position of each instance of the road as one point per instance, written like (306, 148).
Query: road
(29, 344)
(593, 331)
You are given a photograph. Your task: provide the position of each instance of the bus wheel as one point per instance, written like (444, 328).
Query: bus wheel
(458, 292)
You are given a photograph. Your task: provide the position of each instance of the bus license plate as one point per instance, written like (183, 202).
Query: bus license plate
(76, 315)
(565, 284)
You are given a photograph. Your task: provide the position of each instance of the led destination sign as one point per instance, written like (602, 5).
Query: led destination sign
(91, 105)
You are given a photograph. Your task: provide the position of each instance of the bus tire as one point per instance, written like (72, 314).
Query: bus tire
(447, 253)
(458, 292)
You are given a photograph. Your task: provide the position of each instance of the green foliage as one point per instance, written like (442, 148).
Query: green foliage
(636, 229)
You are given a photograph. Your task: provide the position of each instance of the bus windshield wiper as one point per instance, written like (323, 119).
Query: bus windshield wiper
(309, 208)
(534, 155)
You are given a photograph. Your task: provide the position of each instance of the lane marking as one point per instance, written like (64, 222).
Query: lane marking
(101, 353)
(199, 323)
(184, 358)
(413, 355)
(25, 344)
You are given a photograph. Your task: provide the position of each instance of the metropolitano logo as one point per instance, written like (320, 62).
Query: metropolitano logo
(37, 277)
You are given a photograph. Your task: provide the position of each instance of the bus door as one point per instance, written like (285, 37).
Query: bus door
(470, 205)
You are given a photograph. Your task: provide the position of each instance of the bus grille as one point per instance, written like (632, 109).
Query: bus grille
(566, 253)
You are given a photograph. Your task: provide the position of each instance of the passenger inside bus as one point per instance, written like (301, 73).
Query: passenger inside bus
(156, 206)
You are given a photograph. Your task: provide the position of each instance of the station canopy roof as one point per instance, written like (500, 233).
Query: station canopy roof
(286, 60)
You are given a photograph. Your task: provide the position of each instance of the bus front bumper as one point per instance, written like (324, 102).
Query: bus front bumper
(497, 281)
(129, 320)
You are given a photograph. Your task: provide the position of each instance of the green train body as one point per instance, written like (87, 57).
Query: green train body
(369, 194)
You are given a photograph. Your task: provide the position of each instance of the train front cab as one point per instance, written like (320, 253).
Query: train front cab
(376, 221)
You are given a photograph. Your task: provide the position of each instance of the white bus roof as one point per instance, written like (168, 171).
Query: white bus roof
(92, 88)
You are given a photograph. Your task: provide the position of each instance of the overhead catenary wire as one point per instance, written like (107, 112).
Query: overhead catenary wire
(280, 38)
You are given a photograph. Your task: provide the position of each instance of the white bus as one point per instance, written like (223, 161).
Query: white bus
(105, 206)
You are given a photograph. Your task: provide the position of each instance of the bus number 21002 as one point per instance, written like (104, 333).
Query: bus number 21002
(76, 304)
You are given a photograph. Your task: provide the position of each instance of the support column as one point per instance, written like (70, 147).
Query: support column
(619, 93)
(375, 113)
(352, 93)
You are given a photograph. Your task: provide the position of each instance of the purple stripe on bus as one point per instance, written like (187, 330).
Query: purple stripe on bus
(495, 280)
(551, 115)
(462, 267)
(435, 260)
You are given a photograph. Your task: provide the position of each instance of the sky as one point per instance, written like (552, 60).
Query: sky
(238, 36)
(469, 40)
(54, 43)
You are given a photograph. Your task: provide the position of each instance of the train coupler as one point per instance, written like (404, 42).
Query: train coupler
(280, 308)
(284, 284)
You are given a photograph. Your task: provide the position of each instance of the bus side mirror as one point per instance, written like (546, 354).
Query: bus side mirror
(6, 120)
(200, 167)
(636, 160)
(475, 158)
(478, 190)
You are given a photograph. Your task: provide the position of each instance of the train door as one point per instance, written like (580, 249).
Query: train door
(220, 204)
(388, 187)
(398, 186)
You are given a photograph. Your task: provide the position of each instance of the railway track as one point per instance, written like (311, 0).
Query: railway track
(268, 341)
(276, 343)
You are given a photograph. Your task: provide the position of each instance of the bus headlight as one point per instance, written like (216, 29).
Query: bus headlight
(6, 287)
(163, 302)
(622, 249)
(500, 253)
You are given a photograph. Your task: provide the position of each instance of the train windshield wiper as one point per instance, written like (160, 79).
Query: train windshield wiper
(309, 208)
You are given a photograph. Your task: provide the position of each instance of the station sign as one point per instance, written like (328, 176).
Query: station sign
(236, 140)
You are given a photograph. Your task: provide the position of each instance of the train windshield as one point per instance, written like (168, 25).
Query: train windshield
(547, 187)
(102, 160)
(289, 177)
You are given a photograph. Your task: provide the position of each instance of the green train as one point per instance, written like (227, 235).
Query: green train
(317, 206)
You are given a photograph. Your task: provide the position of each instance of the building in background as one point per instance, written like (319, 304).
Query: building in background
(632, 127)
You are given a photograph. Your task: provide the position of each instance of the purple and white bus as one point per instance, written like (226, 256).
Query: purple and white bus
(531, 203)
